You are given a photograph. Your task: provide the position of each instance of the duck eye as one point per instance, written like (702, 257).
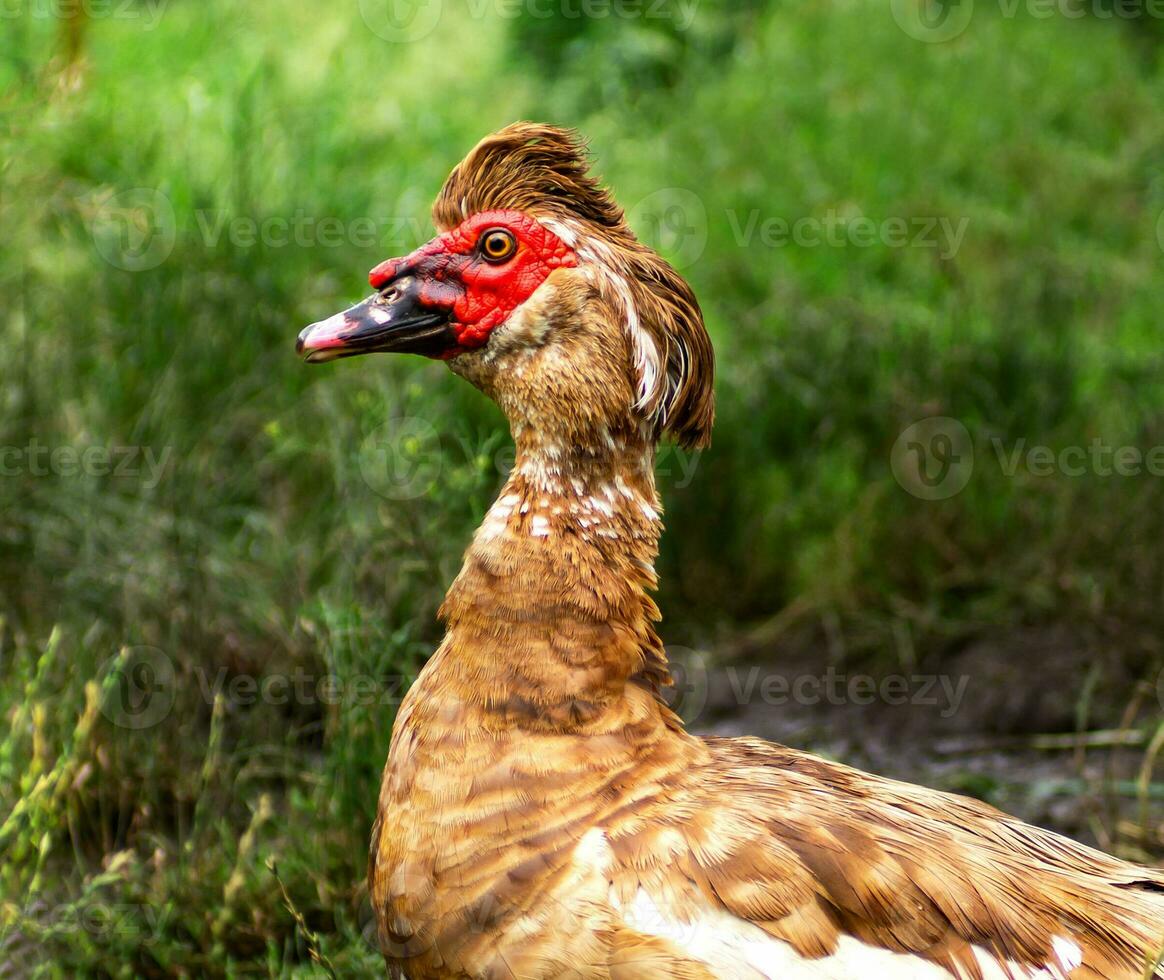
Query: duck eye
(497, 245)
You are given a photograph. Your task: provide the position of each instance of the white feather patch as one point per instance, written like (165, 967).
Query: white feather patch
(601, 264)
(566, 231)
(733, 948)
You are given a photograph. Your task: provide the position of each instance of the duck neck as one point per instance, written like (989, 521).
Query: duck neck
(551, 619)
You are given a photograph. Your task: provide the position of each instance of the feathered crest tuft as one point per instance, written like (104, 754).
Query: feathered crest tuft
(544, 171)
(528, 167)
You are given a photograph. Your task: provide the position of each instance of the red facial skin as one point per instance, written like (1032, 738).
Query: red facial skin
(452, 273)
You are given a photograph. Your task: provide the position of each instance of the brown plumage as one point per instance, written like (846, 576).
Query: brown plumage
(543, 813)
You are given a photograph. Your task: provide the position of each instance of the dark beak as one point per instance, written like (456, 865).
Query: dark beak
(391, 320)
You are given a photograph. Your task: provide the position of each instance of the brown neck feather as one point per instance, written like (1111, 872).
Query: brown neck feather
(551, 618)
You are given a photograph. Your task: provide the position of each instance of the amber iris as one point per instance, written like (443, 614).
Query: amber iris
(497, 245)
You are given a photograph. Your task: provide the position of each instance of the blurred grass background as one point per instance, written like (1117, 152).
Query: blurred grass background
(228, 835)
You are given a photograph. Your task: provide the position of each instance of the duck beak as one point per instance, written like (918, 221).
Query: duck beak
(394, 320)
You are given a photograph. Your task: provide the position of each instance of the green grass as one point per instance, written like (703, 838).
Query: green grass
(261, 550)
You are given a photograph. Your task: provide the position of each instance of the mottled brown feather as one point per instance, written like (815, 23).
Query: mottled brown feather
(537, 785)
